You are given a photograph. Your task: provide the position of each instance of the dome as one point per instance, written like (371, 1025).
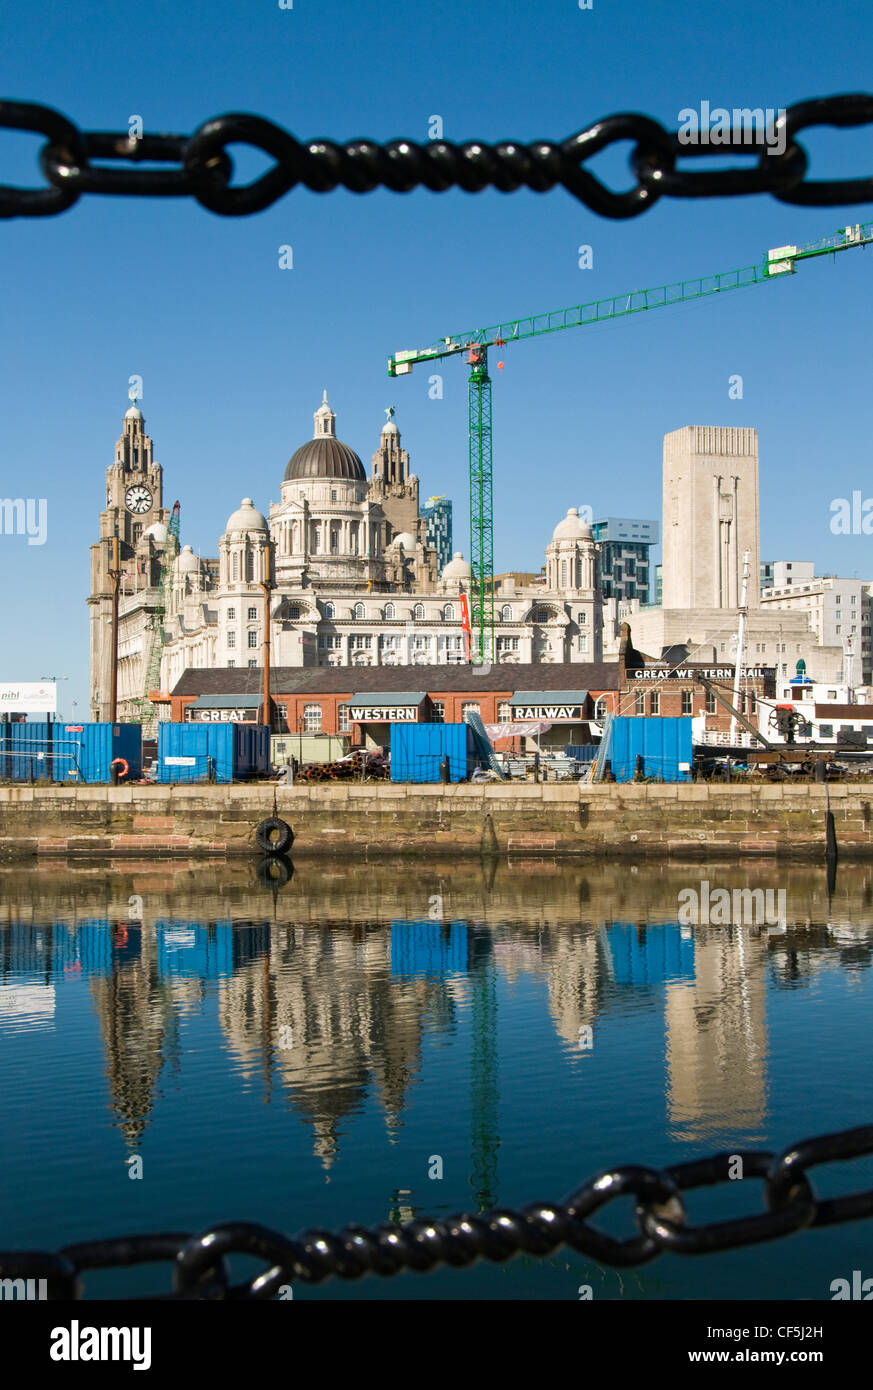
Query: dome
(158, 532)
(390, 428)
(245, 518)
(457, 568)
(406, 539)
(133, 414)
(187, 562)
(572, 528)
(326, 457)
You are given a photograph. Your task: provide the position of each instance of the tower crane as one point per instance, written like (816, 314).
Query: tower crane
(152, 672)
(475, 345)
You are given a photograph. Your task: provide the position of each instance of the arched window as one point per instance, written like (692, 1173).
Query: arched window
(390, 610)
(250, 567)
(601, 708)
(448, 612)
(235, 565)
(506, 614)
(329, 610)
(563, 574)
(358, 610)
(418, 611)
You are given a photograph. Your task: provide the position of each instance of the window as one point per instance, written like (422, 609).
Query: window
(294, 612)
(437, 711)
(640, 703)
(710, 703)
(541, 615)
(231, 663)
(358, 610)
(469, 707)
(235, 565)
(334, 540)
(601, 707)
(253, 662)
(507, 644)
(654, 702)
(345, 722)
(504, 712)
(231, 614)
(832, 694)
(581, 619)
(825, 730)
(231, 639)
(329, 610)
(418, 611)
(583, 642)
(253, 613)
(506, 614)
(333, 494)
(137, 531)
(448, 613)
(360, 641)
(253, 639)
(390, 611)
(312, 719)
(686, 701)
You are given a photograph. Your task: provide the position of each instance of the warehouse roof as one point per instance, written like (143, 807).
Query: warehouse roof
(335, 680)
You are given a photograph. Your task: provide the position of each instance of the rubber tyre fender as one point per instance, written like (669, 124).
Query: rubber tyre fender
(274, 836)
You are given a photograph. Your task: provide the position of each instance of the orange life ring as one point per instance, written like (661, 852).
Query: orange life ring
(123, 764)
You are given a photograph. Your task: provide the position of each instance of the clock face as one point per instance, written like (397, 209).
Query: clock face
(138, 499)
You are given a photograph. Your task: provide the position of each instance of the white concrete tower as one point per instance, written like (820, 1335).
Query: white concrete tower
(710, 516)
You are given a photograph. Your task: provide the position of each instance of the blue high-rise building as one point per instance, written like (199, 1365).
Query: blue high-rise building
(438, 513)
(624, 556)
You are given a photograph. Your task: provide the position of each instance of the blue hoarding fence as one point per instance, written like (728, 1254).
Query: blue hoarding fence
(220, 752)
(663, 743)
(417, 750)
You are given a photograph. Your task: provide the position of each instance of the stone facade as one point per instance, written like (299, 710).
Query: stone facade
(354, 580)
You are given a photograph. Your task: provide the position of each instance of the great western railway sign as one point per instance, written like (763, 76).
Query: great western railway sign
(712, 673)
(547, 712)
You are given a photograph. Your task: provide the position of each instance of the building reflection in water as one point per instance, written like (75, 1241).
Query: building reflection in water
(332, 1009)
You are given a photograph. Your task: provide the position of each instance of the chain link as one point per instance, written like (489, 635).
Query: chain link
(200, 1261)
(205, 167)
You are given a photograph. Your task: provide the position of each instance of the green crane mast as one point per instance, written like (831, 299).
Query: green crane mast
(148, 713)
(780, 261)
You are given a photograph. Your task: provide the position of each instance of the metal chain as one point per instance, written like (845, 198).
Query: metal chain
(200, 1261)
(205, 168)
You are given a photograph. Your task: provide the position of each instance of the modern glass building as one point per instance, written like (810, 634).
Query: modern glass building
(437, 511)
(625, 570)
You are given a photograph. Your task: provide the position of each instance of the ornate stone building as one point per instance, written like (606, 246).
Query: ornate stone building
(354, 580)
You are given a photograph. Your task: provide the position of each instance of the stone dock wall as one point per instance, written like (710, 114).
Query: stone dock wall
(694, 820)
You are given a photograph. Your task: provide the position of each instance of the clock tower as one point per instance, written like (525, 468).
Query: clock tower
(135, 518)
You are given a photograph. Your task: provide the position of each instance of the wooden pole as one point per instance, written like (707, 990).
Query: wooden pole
(115, 575)
(266, 713)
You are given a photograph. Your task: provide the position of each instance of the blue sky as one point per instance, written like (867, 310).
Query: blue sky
(234, 353)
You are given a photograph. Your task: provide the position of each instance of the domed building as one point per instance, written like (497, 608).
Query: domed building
(340, 566)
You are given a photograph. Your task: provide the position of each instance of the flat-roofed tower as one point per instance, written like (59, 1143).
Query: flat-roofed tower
(710, 516)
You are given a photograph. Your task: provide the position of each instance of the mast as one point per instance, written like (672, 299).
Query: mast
(741, 632)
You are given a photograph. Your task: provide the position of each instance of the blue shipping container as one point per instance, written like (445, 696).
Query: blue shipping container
(69, 752)
(212, 752)
(418, 749)
(664, 744)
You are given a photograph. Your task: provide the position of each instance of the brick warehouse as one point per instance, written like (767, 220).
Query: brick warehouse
(569, 695)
